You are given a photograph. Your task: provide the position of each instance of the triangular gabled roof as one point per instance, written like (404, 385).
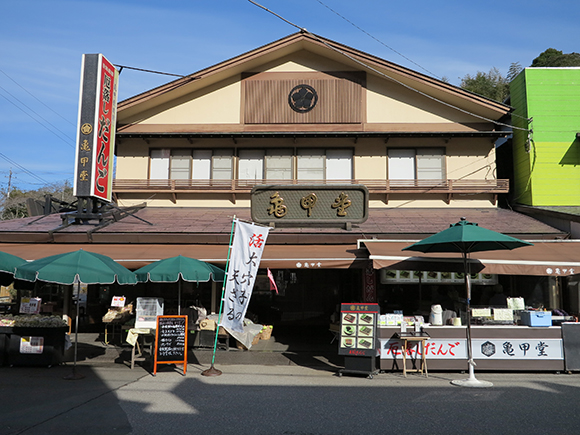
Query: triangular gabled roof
(445, 93)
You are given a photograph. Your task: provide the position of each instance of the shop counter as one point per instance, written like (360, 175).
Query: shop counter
(495, 347)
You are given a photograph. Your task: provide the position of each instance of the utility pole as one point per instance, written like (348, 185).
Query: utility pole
(9, 183)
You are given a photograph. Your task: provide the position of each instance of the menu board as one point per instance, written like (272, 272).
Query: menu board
(171, 341)
(358, 329)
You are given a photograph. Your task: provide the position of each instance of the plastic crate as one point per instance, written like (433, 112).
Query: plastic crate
(536, 318)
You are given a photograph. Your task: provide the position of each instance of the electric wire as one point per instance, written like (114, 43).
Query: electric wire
(26, 113)
(37, 99)
(32, 174)
(378, 40)
(392, 49)
(302, 29)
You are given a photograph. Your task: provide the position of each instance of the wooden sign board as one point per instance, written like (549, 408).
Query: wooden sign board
(171, 341)
(306, 205)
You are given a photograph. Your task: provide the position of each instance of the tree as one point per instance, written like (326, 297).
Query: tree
(555, 58)
(491, 84)
(14, 206)
(515, 69)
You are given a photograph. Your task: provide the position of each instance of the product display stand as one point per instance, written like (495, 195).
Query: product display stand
(359, 365)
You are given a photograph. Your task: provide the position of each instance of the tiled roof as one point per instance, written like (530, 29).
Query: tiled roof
(213, 225)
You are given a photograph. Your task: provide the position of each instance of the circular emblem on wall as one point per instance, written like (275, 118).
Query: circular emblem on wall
(86, 128)
(302, 98)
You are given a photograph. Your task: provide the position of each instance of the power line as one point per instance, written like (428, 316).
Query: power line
(32, 95)
(302, 29)
(20, 108)
(378, 40)
(32, 174)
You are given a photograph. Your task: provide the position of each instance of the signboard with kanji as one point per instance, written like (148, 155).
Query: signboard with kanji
(95, 145)
(293, 205)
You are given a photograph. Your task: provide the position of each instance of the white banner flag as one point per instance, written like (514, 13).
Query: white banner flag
(245, 256)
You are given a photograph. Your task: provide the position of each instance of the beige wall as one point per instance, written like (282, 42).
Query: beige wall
(217, 104)
(303, 61)
(220, 103)
(390, 102)
(387, 102)
(466, 158)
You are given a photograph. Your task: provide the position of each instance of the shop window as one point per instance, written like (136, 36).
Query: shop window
(180, 166)
(222, 164)
(416, 164)
(278, 165)
(159, 168)
(310, 164)
(339, 164)
(331, 164)
(183, 164)
(201, 165)
(251, 165)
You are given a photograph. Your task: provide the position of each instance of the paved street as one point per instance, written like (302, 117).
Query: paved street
(287, 399)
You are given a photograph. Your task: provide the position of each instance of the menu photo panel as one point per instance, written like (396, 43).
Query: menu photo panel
(358, 329)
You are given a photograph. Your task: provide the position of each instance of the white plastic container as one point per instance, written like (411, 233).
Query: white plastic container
(436, 317)
(147, 311)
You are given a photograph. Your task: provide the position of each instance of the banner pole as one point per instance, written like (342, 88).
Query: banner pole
(212, 371)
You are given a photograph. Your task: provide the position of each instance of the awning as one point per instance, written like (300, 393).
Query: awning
(134, 256)
(545, 258)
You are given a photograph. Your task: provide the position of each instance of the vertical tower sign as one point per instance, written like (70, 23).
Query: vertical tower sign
(95, 145)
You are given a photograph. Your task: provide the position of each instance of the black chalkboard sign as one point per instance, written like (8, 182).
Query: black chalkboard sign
(171, 341)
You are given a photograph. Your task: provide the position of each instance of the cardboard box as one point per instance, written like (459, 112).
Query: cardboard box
(536, 318)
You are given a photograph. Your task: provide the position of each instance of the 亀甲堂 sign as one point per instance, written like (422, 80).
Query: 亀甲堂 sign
(95, 145)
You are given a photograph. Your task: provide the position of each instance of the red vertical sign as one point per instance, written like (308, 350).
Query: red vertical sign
(105, 131)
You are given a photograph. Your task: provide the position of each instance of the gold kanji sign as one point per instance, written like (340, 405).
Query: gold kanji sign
(293, 205)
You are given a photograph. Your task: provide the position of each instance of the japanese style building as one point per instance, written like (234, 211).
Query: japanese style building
(305, 113)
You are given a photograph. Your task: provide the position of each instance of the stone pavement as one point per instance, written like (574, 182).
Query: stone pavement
(274, 391)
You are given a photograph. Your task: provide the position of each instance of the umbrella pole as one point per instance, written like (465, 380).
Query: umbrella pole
(471, 381)
(179, 296)
(75, 375)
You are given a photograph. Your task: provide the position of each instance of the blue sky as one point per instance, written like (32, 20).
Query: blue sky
(41, 44)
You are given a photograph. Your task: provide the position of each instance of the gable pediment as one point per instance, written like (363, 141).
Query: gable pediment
(272, 87)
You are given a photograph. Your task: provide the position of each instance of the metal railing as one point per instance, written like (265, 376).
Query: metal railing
(386, 187)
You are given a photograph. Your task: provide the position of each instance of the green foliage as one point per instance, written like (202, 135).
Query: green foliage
(492, 84)
(555, 58)
(515, 69)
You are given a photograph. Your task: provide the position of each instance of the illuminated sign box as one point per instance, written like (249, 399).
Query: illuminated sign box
(95, 145)
(291, 205)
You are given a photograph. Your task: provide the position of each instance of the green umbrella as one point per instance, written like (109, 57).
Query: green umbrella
(465, 237)
(178, 269)
(8, 262)
(75, 268)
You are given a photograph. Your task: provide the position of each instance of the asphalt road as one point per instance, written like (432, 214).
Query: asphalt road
(281, 399)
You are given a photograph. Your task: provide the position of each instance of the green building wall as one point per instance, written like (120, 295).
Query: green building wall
(547, 161)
